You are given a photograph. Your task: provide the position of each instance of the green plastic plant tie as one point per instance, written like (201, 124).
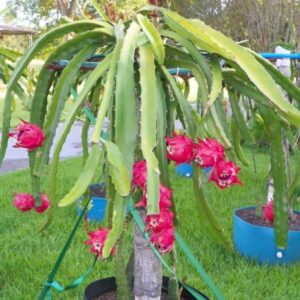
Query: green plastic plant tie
(75, 283)
(104, 135)
(87, 112)
(197, 266)
(141, 226)
(52, 274)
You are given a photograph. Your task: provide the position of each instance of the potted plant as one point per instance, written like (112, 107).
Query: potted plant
(132, 87)
(254, 235)
(270, 233)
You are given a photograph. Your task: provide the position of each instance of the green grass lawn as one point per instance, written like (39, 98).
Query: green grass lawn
(27, 257)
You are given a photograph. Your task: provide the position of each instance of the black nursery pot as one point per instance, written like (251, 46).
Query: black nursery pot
(106, 285)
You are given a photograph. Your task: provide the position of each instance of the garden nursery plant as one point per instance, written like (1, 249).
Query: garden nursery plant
(126, 75)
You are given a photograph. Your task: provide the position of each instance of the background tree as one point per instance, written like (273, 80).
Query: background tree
(262, 22)
(210, 11)
(37, 11)
(33, 12)
(67, 8)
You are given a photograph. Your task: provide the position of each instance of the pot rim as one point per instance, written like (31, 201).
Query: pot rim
(165, 280)
(270, 229)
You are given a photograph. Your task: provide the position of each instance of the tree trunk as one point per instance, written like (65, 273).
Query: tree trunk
(62, 6)
(147, 268)
(72, 9)
(65, 9)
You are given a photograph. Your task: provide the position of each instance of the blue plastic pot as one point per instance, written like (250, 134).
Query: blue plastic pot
(186, 170)
(258, 243)
(96, 208)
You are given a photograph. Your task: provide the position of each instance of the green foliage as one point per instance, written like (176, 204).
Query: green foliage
(279, 175)
(123, 283)
(149, 126)
(239, 119)
(85, 177)
(117, 169)
(161, 111)
(19, 44)
(39, 44)
(154, 38)
(92, 79)
(236, 142)
(118, 217)
(59, 98)
(213, 41)
(294, 189)
(208, 220)
(258, 129)
(23, 89)
(136, 58)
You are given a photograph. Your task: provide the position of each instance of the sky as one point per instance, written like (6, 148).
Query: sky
(2, 4)
(19, 21)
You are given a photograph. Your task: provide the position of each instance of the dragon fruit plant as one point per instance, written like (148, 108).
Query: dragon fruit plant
(268, 211)
(133, 86)
(28, 136)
